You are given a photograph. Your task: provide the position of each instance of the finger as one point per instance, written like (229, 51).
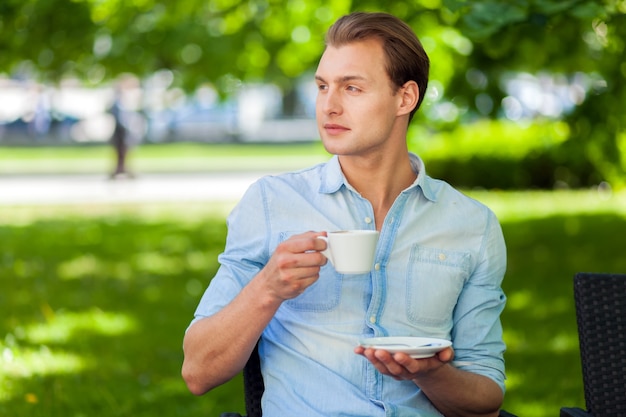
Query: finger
(406, 361)
(293, 286)
(309, 262)
(446, 355)
(308, 274)
(318, 244)
(370, 354)
(389, 362)
(379, 358)
(302, 243)
(312, 260)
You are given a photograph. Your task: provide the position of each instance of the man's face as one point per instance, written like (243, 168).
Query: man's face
(356, 107)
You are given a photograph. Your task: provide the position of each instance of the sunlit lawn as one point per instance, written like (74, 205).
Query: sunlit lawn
(93, 310)
(165, 157)
(94, 301)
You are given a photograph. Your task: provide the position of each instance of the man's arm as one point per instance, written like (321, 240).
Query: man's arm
(216, 348)
(458, 393)
(455, 393)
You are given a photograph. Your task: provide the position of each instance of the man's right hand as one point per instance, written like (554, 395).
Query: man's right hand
(294, 266)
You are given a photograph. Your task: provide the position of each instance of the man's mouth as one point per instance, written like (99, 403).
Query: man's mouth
(335, 129)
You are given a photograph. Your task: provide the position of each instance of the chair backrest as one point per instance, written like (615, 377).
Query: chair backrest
(253, 384)
(600, 301)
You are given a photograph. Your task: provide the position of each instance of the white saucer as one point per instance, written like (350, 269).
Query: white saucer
(416, 347)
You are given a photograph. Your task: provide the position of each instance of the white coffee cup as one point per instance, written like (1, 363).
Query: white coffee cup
(351, 251)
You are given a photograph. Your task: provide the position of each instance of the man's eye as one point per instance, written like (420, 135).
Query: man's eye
(353, 89)
(322, 87)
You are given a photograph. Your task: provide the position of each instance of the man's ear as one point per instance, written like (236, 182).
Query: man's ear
(410, 95)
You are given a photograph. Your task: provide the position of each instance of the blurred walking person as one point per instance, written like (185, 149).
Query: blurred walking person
(129, 124)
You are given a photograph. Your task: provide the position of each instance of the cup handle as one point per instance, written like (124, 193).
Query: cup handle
(326, 252)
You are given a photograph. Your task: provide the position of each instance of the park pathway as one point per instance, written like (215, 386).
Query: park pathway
(81, 189)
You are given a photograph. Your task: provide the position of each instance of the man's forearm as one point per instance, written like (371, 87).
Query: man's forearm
(216, 348)
(457, 393)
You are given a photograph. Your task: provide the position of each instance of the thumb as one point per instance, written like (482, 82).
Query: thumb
(446, 355)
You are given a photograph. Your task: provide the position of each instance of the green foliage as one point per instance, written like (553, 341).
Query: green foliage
(558, 37)
(223, 42)
(93, 306)
(484, 19)
(201, 41)
(501, 154)
(501, 139)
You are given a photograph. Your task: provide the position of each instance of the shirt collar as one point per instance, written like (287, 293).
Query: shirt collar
(333, 178)
(423, 181)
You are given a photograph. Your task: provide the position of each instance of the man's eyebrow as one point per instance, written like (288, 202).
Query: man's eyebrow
(345, 78)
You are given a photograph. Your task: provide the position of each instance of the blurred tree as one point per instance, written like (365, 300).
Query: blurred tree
(574, 40)
(475, 45)
(200, 40)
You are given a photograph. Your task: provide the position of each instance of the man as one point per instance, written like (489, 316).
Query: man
(439, 262)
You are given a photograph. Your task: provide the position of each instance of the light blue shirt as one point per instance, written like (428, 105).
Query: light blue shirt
(439, 265)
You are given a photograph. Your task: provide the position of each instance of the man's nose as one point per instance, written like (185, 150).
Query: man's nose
(330, 102)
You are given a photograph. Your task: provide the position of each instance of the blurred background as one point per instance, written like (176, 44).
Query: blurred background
(129, 129)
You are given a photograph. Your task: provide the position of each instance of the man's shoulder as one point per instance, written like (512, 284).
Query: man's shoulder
(308, 175)
(448, 194)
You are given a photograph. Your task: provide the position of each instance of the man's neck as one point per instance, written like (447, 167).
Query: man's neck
(380, 181)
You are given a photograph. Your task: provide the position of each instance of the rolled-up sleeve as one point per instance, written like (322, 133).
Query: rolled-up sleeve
(244, 255)
(477, 330)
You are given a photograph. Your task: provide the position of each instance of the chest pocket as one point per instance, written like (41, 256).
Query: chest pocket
(435, 279)
(323, 295)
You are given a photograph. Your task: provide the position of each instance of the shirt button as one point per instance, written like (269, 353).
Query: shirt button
(368, 220)
(442, 257)
(373, 319)
(377, 267)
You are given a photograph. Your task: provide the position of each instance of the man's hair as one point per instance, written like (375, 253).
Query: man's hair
(405, 55)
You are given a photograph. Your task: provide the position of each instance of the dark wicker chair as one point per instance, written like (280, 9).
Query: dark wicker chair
(254, 387)
(600, 301)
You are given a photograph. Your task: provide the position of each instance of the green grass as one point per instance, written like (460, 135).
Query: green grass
(94, 301)
(168, 157)
(94, 309)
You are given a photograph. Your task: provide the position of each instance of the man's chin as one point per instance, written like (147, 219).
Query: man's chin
(336, 146)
